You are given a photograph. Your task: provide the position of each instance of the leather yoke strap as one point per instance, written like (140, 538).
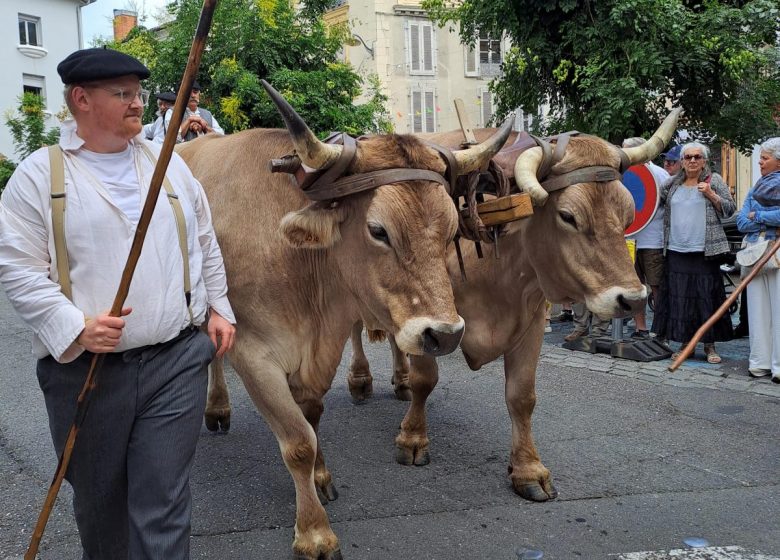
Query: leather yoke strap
(594, 173)
(366, 181)
(58, 219)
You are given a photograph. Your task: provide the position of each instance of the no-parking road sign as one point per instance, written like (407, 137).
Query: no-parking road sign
(646, 193)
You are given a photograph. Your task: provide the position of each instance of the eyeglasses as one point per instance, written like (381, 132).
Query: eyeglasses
(127, 96)
(693, 157)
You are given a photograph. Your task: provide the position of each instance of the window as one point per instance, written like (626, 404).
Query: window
(489, 55)
(486, 106)
(483, 59)
(34, 84)
(524, 121)
(421, 47)
(29, 31)
(423, 110)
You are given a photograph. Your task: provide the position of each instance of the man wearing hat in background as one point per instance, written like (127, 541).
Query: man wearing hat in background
(156, 130)
(131, 462)
(672, 163)
(197, 121)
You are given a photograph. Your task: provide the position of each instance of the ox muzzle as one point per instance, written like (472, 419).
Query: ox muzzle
(424, 335)
(616, 302)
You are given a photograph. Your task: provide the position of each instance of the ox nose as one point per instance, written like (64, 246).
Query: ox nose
(440, 342)
(630, 305)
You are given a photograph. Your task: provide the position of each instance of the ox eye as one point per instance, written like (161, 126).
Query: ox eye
(379, 233)
(568, 218)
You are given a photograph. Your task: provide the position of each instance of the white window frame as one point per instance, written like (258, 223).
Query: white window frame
(417, 32)
(422, 99)
(36, 22)
(524, 121)
(37, 82)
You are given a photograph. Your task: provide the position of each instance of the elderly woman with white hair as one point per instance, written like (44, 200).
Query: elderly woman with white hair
(760, 220)
(696, 200)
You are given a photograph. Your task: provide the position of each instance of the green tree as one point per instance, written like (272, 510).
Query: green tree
(269, 39)
(28, 126)
(611, 67)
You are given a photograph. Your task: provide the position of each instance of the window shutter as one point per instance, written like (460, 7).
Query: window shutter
(430, 112)
(427, 47)
(487, 106)
(417, 111)
(470, 54)
(414, 46)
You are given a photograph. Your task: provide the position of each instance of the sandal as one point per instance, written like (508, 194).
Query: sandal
(712, 355)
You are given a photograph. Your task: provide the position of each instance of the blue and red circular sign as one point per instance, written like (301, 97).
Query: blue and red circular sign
(646, 193)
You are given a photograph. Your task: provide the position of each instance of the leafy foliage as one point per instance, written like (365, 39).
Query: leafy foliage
(612, 67)
(28, 126)
(269, 39)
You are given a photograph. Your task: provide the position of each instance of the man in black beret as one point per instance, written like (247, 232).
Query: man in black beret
(197, 120)
(156, 130)
(60, 266)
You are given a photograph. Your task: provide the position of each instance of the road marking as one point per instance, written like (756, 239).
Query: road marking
(706, 553)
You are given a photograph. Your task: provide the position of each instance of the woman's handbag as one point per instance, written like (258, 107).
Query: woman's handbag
(752, 253)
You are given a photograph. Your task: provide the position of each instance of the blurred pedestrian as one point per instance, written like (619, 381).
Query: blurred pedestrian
(763, 293)
(672, 164)
(696, 200)
(155, 130)
(197, 120)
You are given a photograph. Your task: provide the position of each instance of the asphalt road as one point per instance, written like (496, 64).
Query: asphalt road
(640, 466)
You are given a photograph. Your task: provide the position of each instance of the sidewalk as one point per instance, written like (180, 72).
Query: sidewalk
(730, 374)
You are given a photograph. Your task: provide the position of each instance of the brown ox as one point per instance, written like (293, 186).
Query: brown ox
(297, 288)
(571, 249)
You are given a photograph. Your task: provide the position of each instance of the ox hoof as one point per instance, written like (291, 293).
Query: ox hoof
(327, 493)
(534, 491)
(334, 555)
(361, 388)
(218, 419)
(418, 457)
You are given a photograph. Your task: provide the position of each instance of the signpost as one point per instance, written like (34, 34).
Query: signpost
(646, 194)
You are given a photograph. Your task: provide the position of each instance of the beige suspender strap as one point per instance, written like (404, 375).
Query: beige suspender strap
(58, 219)
(181, 227)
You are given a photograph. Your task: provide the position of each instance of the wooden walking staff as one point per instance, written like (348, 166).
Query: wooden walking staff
(193, 63)
(689, 348)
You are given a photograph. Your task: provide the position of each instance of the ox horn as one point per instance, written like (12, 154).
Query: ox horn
(313, 153)
(526, 166)
(654, 146)
(477, 156)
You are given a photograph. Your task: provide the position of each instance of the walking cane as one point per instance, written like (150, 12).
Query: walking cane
(689, 348)
(193, 62)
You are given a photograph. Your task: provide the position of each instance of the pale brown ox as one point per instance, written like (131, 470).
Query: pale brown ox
(297, 288)
(571, 249)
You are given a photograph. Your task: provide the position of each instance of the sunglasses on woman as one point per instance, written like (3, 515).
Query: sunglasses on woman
(693, 157)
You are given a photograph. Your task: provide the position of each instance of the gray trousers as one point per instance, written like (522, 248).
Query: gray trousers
(584, 319)
(130, 468)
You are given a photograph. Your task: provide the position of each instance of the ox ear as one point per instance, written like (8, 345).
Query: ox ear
(316, 226)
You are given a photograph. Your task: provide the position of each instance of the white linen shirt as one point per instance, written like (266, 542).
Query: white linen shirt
(98, 236)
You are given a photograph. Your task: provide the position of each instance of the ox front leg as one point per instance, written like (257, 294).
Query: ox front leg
(401, 384)
(323, 481)
(359, 378)
(412, 442)
(267, 385)
(217, 414)
(530, 478)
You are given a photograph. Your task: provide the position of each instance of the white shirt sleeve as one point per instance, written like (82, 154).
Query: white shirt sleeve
(215, 125)
(25, 260)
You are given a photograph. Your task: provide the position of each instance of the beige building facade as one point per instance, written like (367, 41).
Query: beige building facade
(421, 67)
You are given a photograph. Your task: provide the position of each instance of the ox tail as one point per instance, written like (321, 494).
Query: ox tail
(376, 335)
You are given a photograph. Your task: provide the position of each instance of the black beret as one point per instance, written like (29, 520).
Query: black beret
(88, 65)
(195, 85)
(167, 96)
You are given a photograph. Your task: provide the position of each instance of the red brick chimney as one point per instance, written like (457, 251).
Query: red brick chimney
(124, 22)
